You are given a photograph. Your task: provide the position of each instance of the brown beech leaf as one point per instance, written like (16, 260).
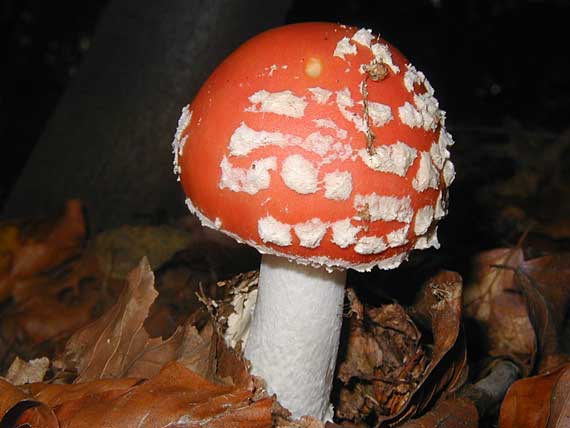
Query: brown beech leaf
(390, 372)
(117, 344)
(10, 395)
(175, 397)
(545, 282)
(494, 300)
(448, 413)
(439, 310)
(39, 320)
(23, 372)
(16, 404)
(538, 402)
(29, 247)
(382, 366)
(37, 416)
(44, 317)
(110, 346)
(54, 394)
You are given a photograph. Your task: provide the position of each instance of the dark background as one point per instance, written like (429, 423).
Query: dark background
(492, 62)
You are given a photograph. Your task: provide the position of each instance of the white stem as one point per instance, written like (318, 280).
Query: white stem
(294, 335)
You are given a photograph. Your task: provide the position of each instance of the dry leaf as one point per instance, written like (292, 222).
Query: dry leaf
(54, 394)
(109, 346)
(22, 372)
(538, 402)
(10, 395)
(439, 310)
(28, 248)
(390, 371)
(174, 397)
(449, 413)
(545, 282)
(495, 301)
(46, 309)
(16, 404)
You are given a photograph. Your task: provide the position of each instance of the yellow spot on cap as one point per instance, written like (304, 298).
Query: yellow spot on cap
(313, 67)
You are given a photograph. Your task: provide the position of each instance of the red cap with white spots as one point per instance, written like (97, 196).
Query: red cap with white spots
(320, 143)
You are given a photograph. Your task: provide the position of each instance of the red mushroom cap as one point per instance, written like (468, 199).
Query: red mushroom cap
(321, 143)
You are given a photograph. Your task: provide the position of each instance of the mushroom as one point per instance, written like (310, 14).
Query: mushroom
(321, 146)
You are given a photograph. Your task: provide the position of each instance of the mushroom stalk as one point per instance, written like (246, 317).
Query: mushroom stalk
(294, 336)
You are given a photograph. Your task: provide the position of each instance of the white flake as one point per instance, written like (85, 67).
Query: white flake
(398, 237)
(395, 158)
(311, 232)
(328, 123)
(424, 219)
(392, 262)
(414, 77)
(445, 138)
(363, 37)
(244, 140)
(344, 47)
(438, 156)
(218, 223)
(383, 55)
(386, 208)
(344, 101)
(344, 233)
(239, 321)
(439, 152)
(370, 245)
(250, 180)
(318, 143)
(427, 175)
(338, 185)
(425, 112)
(283, 103)
(272, 231)
(380, 114)
(299, 174)
(428, 106)
(440, 206)
(410, 116)
(320, 95)
(448, 173)
(178, 142)
(428, 240)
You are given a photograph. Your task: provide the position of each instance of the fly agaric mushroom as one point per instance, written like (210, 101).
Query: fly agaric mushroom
(324, 148)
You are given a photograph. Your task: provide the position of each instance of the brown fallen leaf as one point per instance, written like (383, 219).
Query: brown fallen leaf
(439, 311)
(110, 346)
(30, 247)
(545, 282)
(494, 300)
(117, 345)
(22, 372)
(10, 395)
(176, 396)
(383, 364)
(48, 317)
(390, 371)
(16, 404)
(538, 402)
(43, 314)
(448, 413)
